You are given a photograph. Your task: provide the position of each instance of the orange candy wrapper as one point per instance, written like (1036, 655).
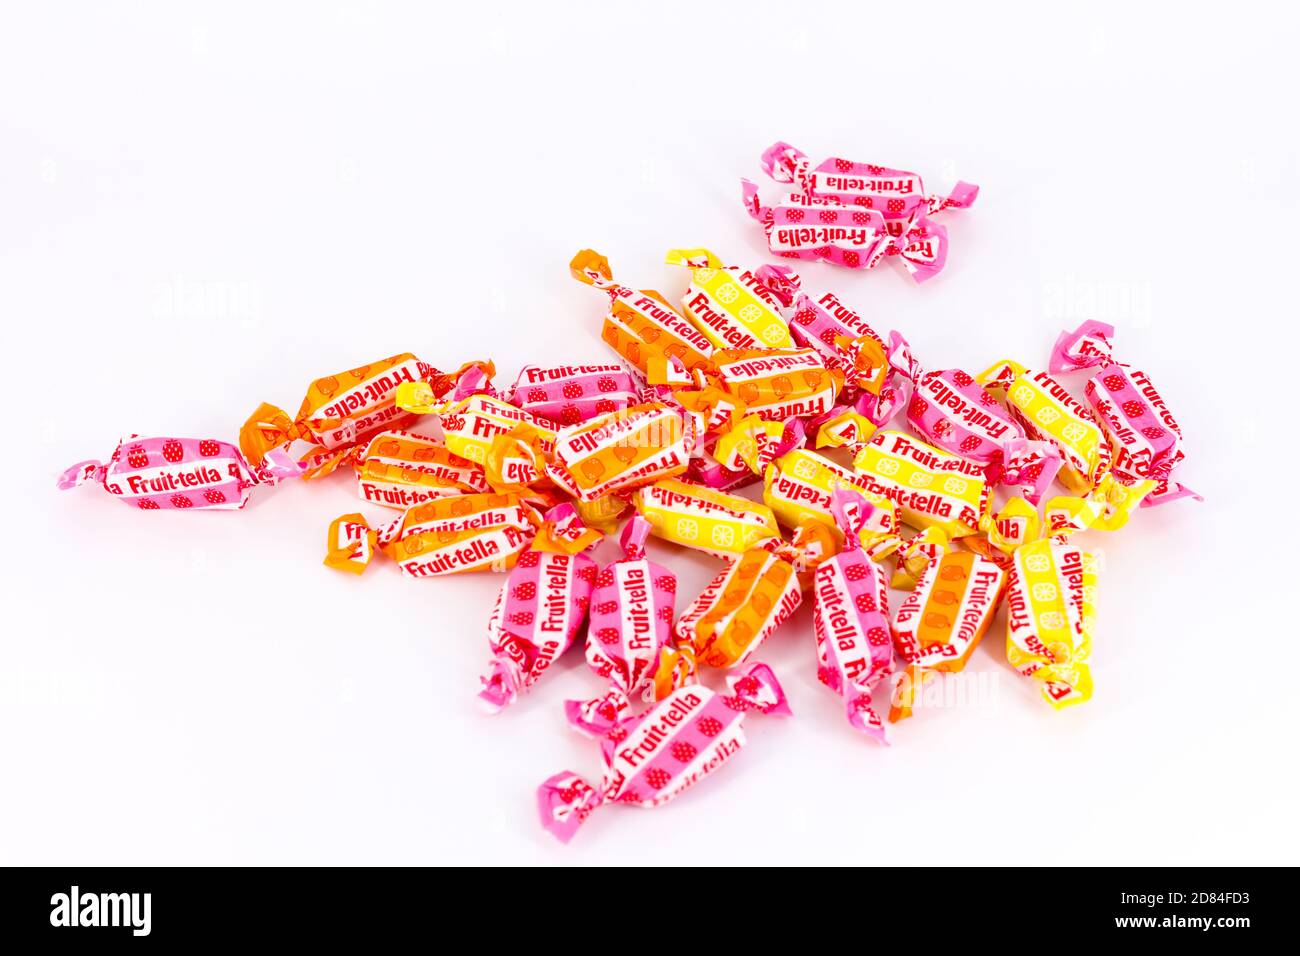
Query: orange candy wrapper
(341, 410)
(623, 450)
(643, 327)
(941, 622)
(479, 532)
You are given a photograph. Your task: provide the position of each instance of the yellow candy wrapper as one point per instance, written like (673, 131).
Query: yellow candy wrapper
(702, 518)
(931, 488)
(737, 308)
(1051, 614)
(798, 487)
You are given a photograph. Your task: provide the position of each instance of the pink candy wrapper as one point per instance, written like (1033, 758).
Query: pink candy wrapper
(182, 473)
(540, 608)
(630, 621)
(851, 619)
(1146, 439)
(569, 394)
(853, 214)
(828, 326)
(954, 412)
(653, 757)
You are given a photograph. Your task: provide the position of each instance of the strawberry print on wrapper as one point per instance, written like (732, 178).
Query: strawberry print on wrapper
(851, 619)
(629, 623)
(541, 606)
(1145, 439)
(828, 326)
(569, 394)
(158, 474)
(653, 757)
(955, 413)
(853, 214)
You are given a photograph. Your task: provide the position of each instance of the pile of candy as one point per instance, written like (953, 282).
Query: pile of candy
(752, 381)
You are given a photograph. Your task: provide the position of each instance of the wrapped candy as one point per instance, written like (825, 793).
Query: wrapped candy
(654, 756)
(398, 469)
(847, 425)
(1051, 614)
(850, 619)
(853, 214)
(939, 624)
(1048, 412)
(569, 394)
(950, 410)
(472, 423)
(739, 609)
(444, 536)
(931, 488)
(896, 193)
(778, 384)
(737, 308)
(698, 517)
(630, 621)
(623, 450)
(186, 473)
(829, 326)
(1145, 440)
(643, 328)
(798, 487)
(341, 410)
(541, 606)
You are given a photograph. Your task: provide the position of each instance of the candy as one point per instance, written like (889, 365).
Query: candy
(828, 326)
(643, 328)
(778, 384)
(185, 473)
(939, 624)
(569, 394)
(850, 619)
(654, 756)
(471, 424)
(950, 410)
(798, 487)
(1048, 412)
(630, 621)
(341, 410)
(853, 214)
(398, 469)
(931, 488)
(445, 536)
(739, 609)
(736, 308)
(623, 450)
(1051, 613)
(697, 517)
(1145, 440)
(540, 608)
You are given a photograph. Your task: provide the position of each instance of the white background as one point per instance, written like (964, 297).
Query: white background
(204, 207)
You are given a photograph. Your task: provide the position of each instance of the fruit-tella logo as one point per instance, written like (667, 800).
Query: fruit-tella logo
(75, 908)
